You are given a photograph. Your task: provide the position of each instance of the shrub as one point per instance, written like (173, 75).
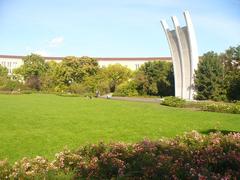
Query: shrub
(5, 169)
(222, 107)
(29, 168)
(77, 88)
(126, 89)
(33, 82)
(173, 101)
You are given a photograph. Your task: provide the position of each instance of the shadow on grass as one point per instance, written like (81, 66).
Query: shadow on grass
(208, 131)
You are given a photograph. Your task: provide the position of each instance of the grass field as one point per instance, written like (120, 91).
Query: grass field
(38, 124)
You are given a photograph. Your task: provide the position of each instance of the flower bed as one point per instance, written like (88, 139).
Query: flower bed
(192, 156)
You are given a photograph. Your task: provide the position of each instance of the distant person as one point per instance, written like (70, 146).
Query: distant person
(97, 93)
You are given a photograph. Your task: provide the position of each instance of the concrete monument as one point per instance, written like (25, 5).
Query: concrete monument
(183, 48)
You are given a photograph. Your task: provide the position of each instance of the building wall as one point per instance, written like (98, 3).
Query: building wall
(132, 64)
(12, 62)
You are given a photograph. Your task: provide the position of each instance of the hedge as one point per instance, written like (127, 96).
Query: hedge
(222, 107)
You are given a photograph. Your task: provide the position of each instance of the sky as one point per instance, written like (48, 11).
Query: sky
(111, 28)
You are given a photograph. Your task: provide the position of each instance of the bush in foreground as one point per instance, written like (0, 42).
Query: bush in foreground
(192, 156)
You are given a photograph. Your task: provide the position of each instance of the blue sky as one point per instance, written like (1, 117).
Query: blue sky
(110, 28)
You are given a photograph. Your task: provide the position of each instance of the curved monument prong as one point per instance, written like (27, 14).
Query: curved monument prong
(172, 42)
(164, 25)
(193, 50)
(179, 45)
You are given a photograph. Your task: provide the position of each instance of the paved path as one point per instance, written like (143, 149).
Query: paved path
(136, 99)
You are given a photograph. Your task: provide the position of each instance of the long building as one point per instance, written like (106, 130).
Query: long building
(12, 61)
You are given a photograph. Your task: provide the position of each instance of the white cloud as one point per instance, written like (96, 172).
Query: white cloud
(57, 41)
(44, 49)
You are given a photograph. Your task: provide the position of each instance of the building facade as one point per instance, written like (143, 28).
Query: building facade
(12, 62)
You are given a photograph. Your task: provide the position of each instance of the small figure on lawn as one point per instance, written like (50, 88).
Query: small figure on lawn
(97, 93)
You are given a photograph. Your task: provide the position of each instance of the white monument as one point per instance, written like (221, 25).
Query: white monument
(183, 48)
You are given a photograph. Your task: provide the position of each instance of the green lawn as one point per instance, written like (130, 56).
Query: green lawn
(38, 124)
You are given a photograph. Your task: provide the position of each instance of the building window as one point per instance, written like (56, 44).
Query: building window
(137, 66)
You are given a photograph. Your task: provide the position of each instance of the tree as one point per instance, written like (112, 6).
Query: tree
(8, 83)
(155, 78)
(33, 65)
(231, 60)
(49, 79)
(3, 71)
(74, 70)
(3, 75)
(116, 74)
(33, 68)
(209, 77)
(233, 90)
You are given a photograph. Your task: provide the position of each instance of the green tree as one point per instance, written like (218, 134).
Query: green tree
(3, 75)
(8, 83)
(49, 80)
(3, 71)
(231, 60)
(127, 88)
(74, 70)
(155, 78)
(233, 89)
(116, 74)
(209, 77)
(33, 65)
(33, 68)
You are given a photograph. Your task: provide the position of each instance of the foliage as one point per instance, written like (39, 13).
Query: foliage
(11, 85)
(231, 60)
(3, 71)
(5, 169)
(155, 78)
(115, 75)
(77, 88)
(173, 101)
(209, 78)
(233, 90)
(191, 156)
(3, 76)
(126, 89)
(33, 68)
(49, 80)
(8, 83)
(33, 82)
(31, 168)
(74, 70)
(98, 83)
(222, 107)
(34, 65)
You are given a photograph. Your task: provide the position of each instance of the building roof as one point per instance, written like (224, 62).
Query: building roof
(101, 58)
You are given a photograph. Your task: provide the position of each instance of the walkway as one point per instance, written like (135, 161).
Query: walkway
(135, 99)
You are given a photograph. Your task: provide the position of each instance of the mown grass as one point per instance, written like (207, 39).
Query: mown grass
(40, 124)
